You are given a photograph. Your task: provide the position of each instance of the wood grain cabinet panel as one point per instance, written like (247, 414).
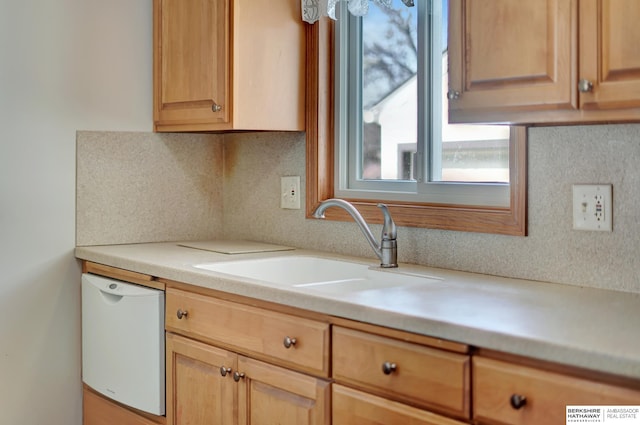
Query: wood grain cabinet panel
(228, 65)
(428, 377)
(273, 395)
(353, 407)
(251, 330)
(210, 385)
(544, 61)
(192, 50)
(610, 53)
(97, 410)
(197, 392)
(546, 394)
(507, 55)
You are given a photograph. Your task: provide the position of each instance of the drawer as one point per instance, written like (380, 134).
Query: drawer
(251, 330)
(546, 393)
(404, 371)
(353, 407)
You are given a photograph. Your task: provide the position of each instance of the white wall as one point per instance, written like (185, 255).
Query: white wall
(65, 65)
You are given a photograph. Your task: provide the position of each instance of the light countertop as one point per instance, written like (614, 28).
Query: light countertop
(589, 328)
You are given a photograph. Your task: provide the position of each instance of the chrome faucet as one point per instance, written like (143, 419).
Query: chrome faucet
(387, 250)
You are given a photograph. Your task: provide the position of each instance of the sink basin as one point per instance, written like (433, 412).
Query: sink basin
(314, 274)
(289, 270)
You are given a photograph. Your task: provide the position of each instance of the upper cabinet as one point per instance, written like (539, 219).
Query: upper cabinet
(546, 61)
(609, 73)
(228, 65)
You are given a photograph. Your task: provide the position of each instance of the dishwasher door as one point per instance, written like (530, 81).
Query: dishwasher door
(123, 342)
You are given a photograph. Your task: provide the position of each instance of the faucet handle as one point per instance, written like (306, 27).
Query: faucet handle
(389, 228)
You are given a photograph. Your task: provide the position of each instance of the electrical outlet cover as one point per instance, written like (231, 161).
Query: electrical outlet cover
(290, 192)
(592, 207)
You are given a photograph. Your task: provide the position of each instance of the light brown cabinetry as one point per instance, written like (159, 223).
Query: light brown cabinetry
(610, 54)
(229, 362)
(274, 395)
(225, 386)
(228, 65)
(97, 410)
(252, 330)
(422, 376)
(197, 392)
(508, 393)
(353, 407)
(544, 61)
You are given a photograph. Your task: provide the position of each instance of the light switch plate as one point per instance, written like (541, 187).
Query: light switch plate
(592, 207)
(290, 192)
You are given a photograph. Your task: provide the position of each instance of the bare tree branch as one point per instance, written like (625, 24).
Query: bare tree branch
(391, 60)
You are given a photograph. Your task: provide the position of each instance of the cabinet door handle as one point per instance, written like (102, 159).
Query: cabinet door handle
(585, 86)
(289, 342)
(237, 376)
(453, 94)
(181, 313)
(215, 107)
(224, 370)
(518, 401)
(388, 368)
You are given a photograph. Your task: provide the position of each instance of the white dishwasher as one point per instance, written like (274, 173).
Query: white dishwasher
(123, 342)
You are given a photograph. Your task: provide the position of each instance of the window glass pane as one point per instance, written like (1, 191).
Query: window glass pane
(468, 153)
(389, 91)
(389, 101)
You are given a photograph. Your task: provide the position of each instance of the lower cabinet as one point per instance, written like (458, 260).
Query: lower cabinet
(418, 375)
(197, 391)
(97, 410)
(209, 385)
(229, 363)
(353, 407)
(509, 393)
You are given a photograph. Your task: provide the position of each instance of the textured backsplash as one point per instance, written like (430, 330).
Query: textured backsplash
(145, 187)
(553, 251)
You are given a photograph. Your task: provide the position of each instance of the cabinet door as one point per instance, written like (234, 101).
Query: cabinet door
(510, 56)
(352, 407)
(610, 53)
(197, 393)
(191, 61)
(273, 395)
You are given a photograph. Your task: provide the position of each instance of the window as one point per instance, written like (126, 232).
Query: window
(421, 167)
(392, 134)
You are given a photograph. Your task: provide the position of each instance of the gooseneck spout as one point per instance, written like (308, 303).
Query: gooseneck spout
(387, 249)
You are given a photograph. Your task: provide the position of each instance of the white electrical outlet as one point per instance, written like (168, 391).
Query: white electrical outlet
(290, 192)
(592, 207)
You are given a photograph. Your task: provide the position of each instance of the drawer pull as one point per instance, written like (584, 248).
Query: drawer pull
(388, 368)
(237, 376)
(224, 370)
(518, 401)
(181, 313)
(289, 342)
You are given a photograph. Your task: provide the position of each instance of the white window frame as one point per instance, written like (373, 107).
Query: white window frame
(348, 138)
